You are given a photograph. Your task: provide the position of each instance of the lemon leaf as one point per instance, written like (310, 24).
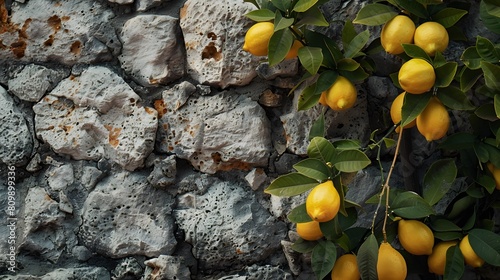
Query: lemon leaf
(318, 127)
(454, 98)
(331, 229)
(469, 77)
(281, 22)
(346, 144)
(308, 97)
(496, 103)
(413, 7)
(410, 205)
(348, 33)
(304, 5)
(455, 267)
(491, 74)
(347, 64)
(447, 17)
(486, 112)
(279, 45)
(444, 225)
(486, 50)
(313, 168)
(445, 74)
(413, 105)
(313, 16)
(322, 149)
(415, 51)
(304, 246)
(299, 215)
(311, 58)
(282, 5)
(323, 258)
(291, 184)
(471, 58)
(351, 161)
(260, 15)
(458, 141)
(375, 14)
(486, 245)
(490, 15)
(367, 258)
(330, 50)
(356, 44)
(438, 180)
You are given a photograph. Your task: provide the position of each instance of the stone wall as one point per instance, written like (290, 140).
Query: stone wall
(139, 138)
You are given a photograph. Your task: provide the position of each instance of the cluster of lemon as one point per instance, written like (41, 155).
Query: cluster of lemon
(417, 75)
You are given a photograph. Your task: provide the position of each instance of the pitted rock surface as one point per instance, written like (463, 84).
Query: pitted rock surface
(33, 81)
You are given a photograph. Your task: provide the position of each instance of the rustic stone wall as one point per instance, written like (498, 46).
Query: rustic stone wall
(137, 138)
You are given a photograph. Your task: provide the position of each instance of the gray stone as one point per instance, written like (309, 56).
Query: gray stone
(166, 267)
(227, 227)
(256, 178)
(121, 2)
(16, 141)
(74, 31)
(81, 273)
(292, 257)
(94, 116)
(221, 132)
(214, 47)
(35, 163)
(256, 272)
(125, 216)
(144, 5)
(164, 172)
(286, 68)
(33, 81)
(90, 177)
(60, 177)
(81, 253)
(164, 60)
(128, 268)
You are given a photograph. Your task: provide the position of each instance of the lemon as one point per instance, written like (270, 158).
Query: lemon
(496, 174)
(341, 95)
(416, 76)
(309, 230)
(399, 30)
(434, 121)
(346, 268)
(323, 202)
(257, 38)
(432, 37)
(294, 50)
(471, 258)
(390, 264)
(396, 114)
(416, 237)
(437, 260)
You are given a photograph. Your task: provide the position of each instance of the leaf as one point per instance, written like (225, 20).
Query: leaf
(481, 151)
(447, 17)
(290, 185)
(367, 258)
(299, 215)
(330, 51)
(455, 267)
(313, 16)
(279, 45)
(282, 5)
(486, 112)
(471, 58)
(318, 127)
(486, 244)
(438, 180)
(347, 64)
(486, 182)
(356, 44)
(445, 74)
(346, 222)
(486, 50)
(348, 33)
(310, 58)
(415, 51)
(357, 75)
(351, 161)
(469, 77)
(496, 104)
(309, 97)
(460, 206)
(491, 74)
(323, 258)
(413, 7)
(321, 149)
(281, 22)
(331, 229)
(346, 144)
(410, 205)
(389, 142)
(447, 235)
(458, 141)
(304, 246)
(489, 14)
(454, 98)
(444, 225)
(261, 15)
(313, 168)
(375, 14)
(304, 5)
(413, 105)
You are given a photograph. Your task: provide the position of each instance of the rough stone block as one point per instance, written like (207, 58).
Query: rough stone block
(33, 81)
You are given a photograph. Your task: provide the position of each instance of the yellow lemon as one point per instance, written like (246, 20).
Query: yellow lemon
(399, 30)
(390, 264)
(346, 268)
(416, 76)
(396, 115)
(416, 237)
(496, 174)
(434, 121)
(294, 50)
(323, 202)
(309, 230)
(257, 38)
(470, 257)
(437, 260)
(341, 95)
(432, 37)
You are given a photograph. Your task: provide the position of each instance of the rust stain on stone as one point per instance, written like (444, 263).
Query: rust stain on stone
(65, 18)
(76, 47)
(18, 48)
(54, 22)
(160, 107)
(183, 11)
(114, 133)
(49, 41)
(149, 110)
(212, 36)
(210, 51)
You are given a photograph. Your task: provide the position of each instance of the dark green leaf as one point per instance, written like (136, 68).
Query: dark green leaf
(313, 16)
(321, 149)
(330, 50)
(469, 77)
(374, 14)
(367, 258)
(346, 144)
(413, 7)
(438, 180)
(491, 74)
(309, 97)
(415, 51)
(486, 50)
(304, 5)
(444, 225)
(357, 75)
(346, 222)
(281, 22)
(448, 16)
(486, 112)
(318, 127)
(410, 205)
(350, 161)
(481, 151)
(439, 60)
(283, 5)
(337, 183)
(304, 246)
(461, 206)
(323, 258)
(455, 267)
(356, 44)
(290, 185)
(445, 74)
(279, 45)
(488, 13)
(313, 168)
(454, 98)
(486, 245)
(331, 229)
(348, 64)
(487, 182)
(413, 105)
(471, 58)
(310, 58)
(348, 33)
(299, 215)
(458, 141)
(447, 235)
(496, 104)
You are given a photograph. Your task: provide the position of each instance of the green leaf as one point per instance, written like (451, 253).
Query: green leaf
(349, 220)
(309, 97)
(313, 16)
(304, 246)
(357, 75)
(486, 50)
(410, 205)
(313, 168)
(471, 58)
(490, 14)
(299, 215)
(281, 22)
(460, 206)
(261, 15)
(290, 185)
(389, 142)
(413, 7)
(304, 5)
(331, 229)
(318, 127)
(447, 235)
(367, 258)
(375, 14)
(455, 267)
(330, 51)
(444, 225)
(348, 33)
(310, 58)
(454, 98)
(350, 161)
(415, 51)
(346, 144)
(486, 182)
(348, 64)
(486, 112)
(448, 16)
(356, 44)
(321, 149)
(445, 74)
(438, 180)
(491, 74)
(413, 105)
(481, 151)
(486, 244)
(469, 77)
(323, 258)
(282, 5)
(496, 104)
(458, 141)
(279, 45)
(439, 60)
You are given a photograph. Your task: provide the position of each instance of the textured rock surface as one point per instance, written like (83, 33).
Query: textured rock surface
(164, 60)
(16, 142)
(33, 81)
(125, 216)
(166, 267)
(213, 47)
(97, 115)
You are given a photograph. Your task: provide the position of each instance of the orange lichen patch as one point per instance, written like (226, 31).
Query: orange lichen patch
(210, 51)
(234, 165)
(160, 107)
(114, 133)
(76, 47)
(65, 18)
(54, 22)
(18, 48)
(149, 110)
(183, 11)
